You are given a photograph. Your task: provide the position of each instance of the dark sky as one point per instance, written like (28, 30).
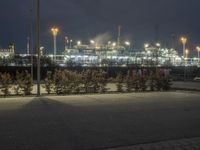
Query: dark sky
(84, 19)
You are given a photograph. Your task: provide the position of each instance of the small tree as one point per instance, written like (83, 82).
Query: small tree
(5, 81)
(19, 80)
(152, 82)
(28, 83)
(129, 81)
(142, 83)
(95, 79)
(24, 83)
(48, 82)
(76, 82)
(57, 79)
(86, 80)
(136, 82)
(166, 83)
(119, 80)
(102, 81)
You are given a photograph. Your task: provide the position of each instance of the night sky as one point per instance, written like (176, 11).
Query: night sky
(86, 19)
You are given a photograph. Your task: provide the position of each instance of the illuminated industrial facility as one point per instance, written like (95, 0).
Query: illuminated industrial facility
(98, 52)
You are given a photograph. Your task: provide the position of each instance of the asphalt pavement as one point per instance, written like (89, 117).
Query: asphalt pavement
(107, 121)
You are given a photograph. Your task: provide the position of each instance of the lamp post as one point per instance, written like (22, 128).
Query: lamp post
(198, 51)
(70, 43)
(54, 31)
(186, 53)
(38, 46)
(183, 41)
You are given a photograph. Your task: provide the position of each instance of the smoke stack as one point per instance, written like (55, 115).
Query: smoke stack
(28, 45)
(119, 36)
(66, 42)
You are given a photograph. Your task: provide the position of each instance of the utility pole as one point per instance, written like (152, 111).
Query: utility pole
(38, 47)
(66, 42)
(31, 42)
(119, 36)
(28, 45)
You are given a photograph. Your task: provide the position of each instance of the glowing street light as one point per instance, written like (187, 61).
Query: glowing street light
(92, 42)
(114, 44)
(146, 45)
(158, 44)
(128, 44)
(78, 43)
(186, 53)
(198, 50)
(183, 41)
(54, 31)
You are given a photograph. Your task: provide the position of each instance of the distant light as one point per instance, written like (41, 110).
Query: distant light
(146, 45)
(92, 41)
(114, 44)
(158, 44)
(54, 31)
(198, 48)
(183, 40)
(78, 42)
(127, 43)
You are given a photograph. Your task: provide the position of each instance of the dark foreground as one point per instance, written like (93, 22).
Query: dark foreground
(98, 121)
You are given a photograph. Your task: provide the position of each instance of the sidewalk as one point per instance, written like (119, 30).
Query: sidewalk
(182, 144)
(186, 85)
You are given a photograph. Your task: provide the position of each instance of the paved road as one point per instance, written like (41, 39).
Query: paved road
(98, 121)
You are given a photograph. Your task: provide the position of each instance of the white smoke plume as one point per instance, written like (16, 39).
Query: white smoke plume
(101, 39)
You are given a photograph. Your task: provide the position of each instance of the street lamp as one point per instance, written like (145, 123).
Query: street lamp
(146, 45)
(198, 50)
(186, 53)
(92, 42)
(158, 44)
(186, 62)
(70, 43)
(183, 41)
(54, 31)
(78, 43)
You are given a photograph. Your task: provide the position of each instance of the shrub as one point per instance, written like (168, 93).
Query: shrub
(166, 83)
(152, 82)
(86, 80)
(102, 81)
(19, 83)
(5, 81)
(48, 82)
(76, 86)
(57, 79)
(142, 83)
(24, 83)
(119, 80)
(129, 81)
